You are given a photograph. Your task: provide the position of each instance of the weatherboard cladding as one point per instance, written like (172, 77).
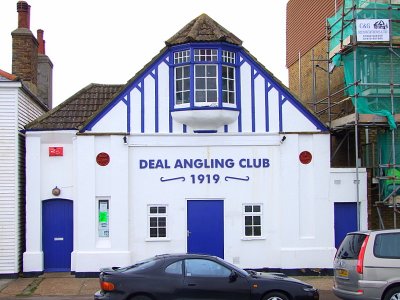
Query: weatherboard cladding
(148, 97)
(305, 25)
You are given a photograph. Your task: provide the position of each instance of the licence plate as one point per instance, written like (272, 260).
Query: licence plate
(342, 273)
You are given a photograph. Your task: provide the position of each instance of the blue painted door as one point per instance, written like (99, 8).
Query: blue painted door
(345, 220)
(205, 225)
(57, 234)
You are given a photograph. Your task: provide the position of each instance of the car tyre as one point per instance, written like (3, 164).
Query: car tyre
(275, 296)
(393, 294)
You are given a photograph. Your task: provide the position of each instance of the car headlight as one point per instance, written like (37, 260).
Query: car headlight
(309, 289)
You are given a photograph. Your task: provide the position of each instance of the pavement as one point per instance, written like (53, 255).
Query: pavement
(64, 284)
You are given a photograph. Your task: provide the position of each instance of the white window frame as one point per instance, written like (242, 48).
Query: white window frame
(206, 55)
(157, 215)
(183, 79)
(253, 214)
(206, 102)
(182, 56)
(228, 79)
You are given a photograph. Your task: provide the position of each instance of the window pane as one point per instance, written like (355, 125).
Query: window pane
(153, 209)
(200, 83)
(231, 85)
(179, 85)
(248, 231)
(231, 97)
(186, 97)
(200, 71)
(178, 73)
(212, 96)
(211, 71)
(153, 232)
(175, 268)
(211, 83)
(248, 220)
(186, 84)
(257, 220)
(200, 96)
(162, 209)
(256, 208)
(257, 231)
(162, 222)
(153, 222)
(204, 267)
(186, 71)
(248, 208)
(162, 232)
(225, 97)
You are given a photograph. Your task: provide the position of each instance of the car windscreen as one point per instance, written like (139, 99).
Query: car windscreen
(350, 247)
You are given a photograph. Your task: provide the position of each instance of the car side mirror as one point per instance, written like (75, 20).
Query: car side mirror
(233, 276)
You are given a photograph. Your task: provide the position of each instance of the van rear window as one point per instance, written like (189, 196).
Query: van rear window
(350, 247)
(387, 245)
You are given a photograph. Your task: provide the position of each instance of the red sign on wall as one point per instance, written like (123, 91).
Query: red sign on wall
(56, 151)
(305, 157)
(102, 159)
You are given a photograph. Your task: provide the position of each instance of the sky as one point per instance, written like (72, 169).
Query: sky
(109, 41)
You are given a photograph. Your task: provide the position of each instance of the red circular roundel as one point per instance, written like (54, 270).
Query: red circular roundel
(305, 157)
(103, 159)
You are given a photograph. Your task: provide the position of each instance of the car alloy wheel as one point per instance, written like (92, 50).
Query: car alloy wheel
(393, 294)
(275, 296)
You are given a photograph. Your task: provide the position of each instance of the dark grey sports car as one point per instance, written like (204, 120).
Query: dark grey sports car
(200, 277)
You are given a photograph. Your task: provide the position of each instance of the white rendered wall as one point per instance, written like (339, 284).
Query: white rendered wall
(343, 188)
(44, 173)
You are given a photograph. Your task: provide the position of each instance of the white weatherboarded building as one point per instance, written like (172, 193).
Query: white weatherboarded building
(202, 151)
(24, 96)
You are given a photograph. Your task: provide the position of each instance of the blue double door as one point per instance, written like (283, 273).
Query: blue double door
(205, 227)
(57, 234)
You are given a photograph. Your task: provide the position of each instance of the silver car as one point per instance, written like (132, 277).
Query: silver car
(367, 266)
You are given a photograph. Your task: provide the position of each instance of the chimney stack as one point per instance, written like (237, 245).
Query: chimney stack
(24, 17)
(44, 73)
(29, 61)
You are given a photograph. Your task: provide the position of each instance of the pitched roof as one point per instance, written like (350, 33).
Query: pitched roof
(203, 29)
(76, 110)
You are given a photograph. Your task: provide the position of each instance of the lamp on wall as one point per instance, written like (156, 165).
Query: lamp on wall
(283, 139)
(56, 191)
(125, 140)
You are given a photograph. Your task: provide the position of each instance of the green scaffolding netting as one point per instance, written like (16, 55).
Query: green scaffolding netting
(373, 69)
(389, 158)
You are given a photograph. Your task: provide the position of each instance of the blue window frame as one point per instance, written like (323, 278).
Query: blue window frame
(204, 77)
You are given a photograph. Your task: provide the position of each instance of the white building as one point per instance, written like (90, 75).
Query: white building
(204, 150)
(21, 102)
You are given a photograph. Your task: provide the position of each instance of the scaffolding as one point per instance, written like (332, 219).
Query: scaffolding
(363, 40)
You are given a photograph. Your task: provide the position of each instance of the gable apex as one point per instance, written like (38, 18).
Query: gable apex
(203, 29)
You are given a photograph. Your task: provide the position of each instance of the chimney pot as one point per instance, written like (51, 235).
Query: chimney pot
(41, 47)
(23, 9)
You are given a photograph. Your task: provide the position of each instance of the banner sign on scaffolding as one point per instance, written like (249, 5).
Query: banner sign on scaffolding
(373, 30)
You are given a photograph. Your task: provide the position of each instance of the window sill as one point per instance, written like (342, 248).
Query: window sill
(157, 240)
(253, 238)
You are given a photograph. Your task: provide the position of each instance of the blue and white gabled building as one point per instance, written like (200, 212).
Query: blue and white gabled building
(204, 151)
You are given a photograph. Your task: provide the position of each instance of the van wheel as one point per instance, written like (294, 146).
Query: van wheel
(275, 296)
(393, 294)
